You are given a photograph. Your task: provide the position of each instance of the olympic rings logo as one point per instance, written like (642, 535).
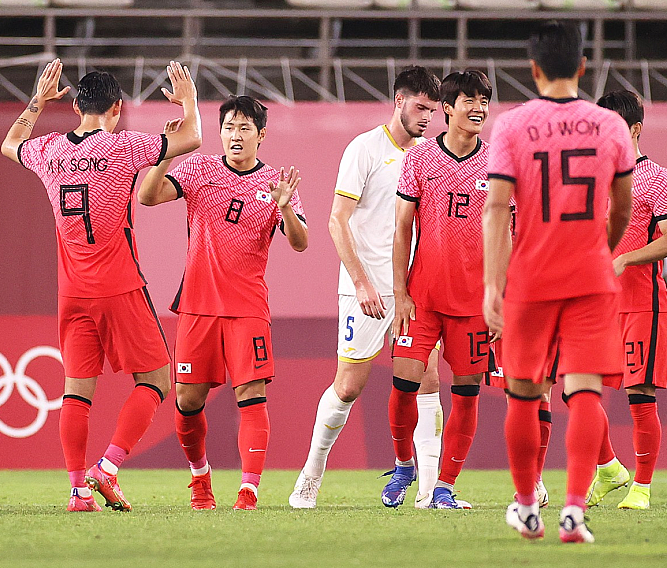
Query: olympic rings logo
(31, 391)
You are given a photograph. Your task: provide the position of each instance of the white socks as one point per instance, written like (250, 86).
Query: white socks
(428, 440)
(331, 416)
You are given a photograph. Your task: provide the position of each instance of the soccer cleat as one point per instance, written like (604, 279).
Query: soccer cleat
(637, 498)
(541, 494)
(443, 498)
(531, 527)
(107, 486)
(402, 477)
(305, 491)
(424, 501)
(606, 479)
(246, 501)
(573, 525)
(82, 504)
(202, 497)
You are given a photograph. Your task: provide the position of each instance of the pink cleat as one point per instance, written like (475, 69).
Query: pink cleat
(80, 504)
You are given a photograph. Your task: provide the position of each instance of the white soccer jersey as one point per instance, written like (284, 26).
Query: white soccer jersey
(368, 173)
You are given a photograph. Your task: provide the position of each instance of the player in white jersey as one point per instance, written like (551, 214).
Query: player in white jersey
(362, 228)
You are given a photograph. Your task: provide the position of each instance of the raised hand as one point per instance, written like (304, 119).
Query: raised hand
(182, 85)
(282, 192)
(47, 86)
(172, 125)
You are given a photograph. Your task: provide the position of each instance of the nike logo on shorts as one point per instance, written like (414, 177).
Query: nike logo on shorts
(260, 366)
(475, 361)
(633, 371)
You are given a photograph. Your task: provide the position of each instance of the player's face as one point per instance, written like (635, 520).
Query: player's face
(468, 113)
(240, 138)
(416, 113)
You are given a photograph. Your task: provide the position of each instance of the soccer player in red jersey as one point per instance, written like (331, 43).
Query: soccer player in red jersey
(103, 303)
(567, 162)
(442, 188)
(638, 261)
(234, 205)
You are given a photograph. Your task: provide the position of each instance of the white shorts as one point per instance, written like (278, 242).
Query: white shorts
(361, 337)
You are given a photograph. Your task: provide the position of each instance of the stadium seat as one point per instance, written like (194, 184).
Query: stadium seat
(426, 4)
(331, 4)
(583, 4)
(22, 3)
(498, 4)
(91, 3)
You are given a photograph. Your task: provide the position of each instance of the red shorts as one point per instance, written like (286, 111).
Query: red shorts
(209, 346)
(645, 339)
(124, 327)
(585, 331)
(497, 378)
(465, 341)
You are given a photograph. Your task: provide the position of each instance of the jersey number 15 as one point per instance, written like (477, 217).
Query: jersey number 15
(566, 179)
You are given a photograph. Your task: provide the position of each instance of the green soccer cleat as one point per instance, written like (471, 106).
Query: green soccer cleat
(637, 498)
(607, 479)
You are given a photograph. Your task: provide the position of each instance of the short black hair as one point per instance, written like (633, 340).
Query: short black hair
(97, 92)
(626, 103)
(557, 47)
(417, 80)
(470, 82)
(247, 106)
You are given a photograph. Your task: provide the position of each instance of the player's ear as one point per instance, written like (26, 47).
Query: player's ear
(582, 67)
(636, 129)
(261, 135)
(399, 99)
(75, 106)
(535, 70)
(116, 107)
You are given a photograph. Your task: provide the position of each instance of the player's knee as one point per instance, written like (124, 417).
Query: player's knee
(348, 391)
(189, 400)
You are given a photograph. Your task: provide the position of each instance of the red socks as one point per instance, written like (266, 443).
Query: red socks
(74, 420)
(545, 434)
(459, 431)
(191, 429)
(136, 416)
(606, 450)
(585, 433)
(646, 435)
(254, 430)
(522, 435)
(403, 416)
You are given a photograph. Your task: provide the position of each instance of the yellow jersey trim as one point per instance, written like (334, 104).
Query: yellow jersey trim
(348, 360)
(345, 194)
(391, 138)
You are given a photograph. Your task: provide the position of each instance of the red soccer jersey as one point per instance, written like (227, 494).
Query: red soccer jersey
(562, 155)
(446, 274)
(231, 221)
(642, 286)
(90, 181)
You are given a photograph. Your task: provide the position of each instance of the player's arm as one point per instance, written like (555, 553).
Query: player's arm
(188, 137)
(620, 209)
(47, 90)
(370, 301)
(281, 192)
(400, 258)
(155, 187)
(496, 219)
(652, 252)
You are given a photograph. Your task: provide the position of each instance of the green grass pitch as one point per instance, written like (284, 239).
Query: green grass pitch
(350, 527)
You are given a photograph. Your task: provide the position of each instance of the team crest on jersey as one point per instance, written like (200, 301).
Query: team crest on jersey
(404, 341)
(185, 368)
(482, 184)
(263, 196)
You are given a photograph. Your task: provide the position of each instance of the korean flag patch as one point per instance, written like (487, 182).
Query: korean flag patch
(482, 184)
(404, 341)
(185, 368)
(263, 196)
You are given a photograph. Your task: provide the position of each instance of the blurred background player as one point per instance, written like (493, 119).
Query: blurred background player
(103, 303)
(362, 229)
(638, 264)
(234, 205)
(443, 186)
(565, 160)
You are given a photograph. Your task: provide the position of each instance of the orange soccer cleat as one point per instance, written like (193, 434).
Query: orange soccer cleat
(202, 493)
(247, 500)
(107, 486)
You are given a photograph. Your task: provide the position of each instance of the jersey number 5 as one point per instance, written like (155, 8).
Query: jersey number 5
(83, 209)
(566, 179)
